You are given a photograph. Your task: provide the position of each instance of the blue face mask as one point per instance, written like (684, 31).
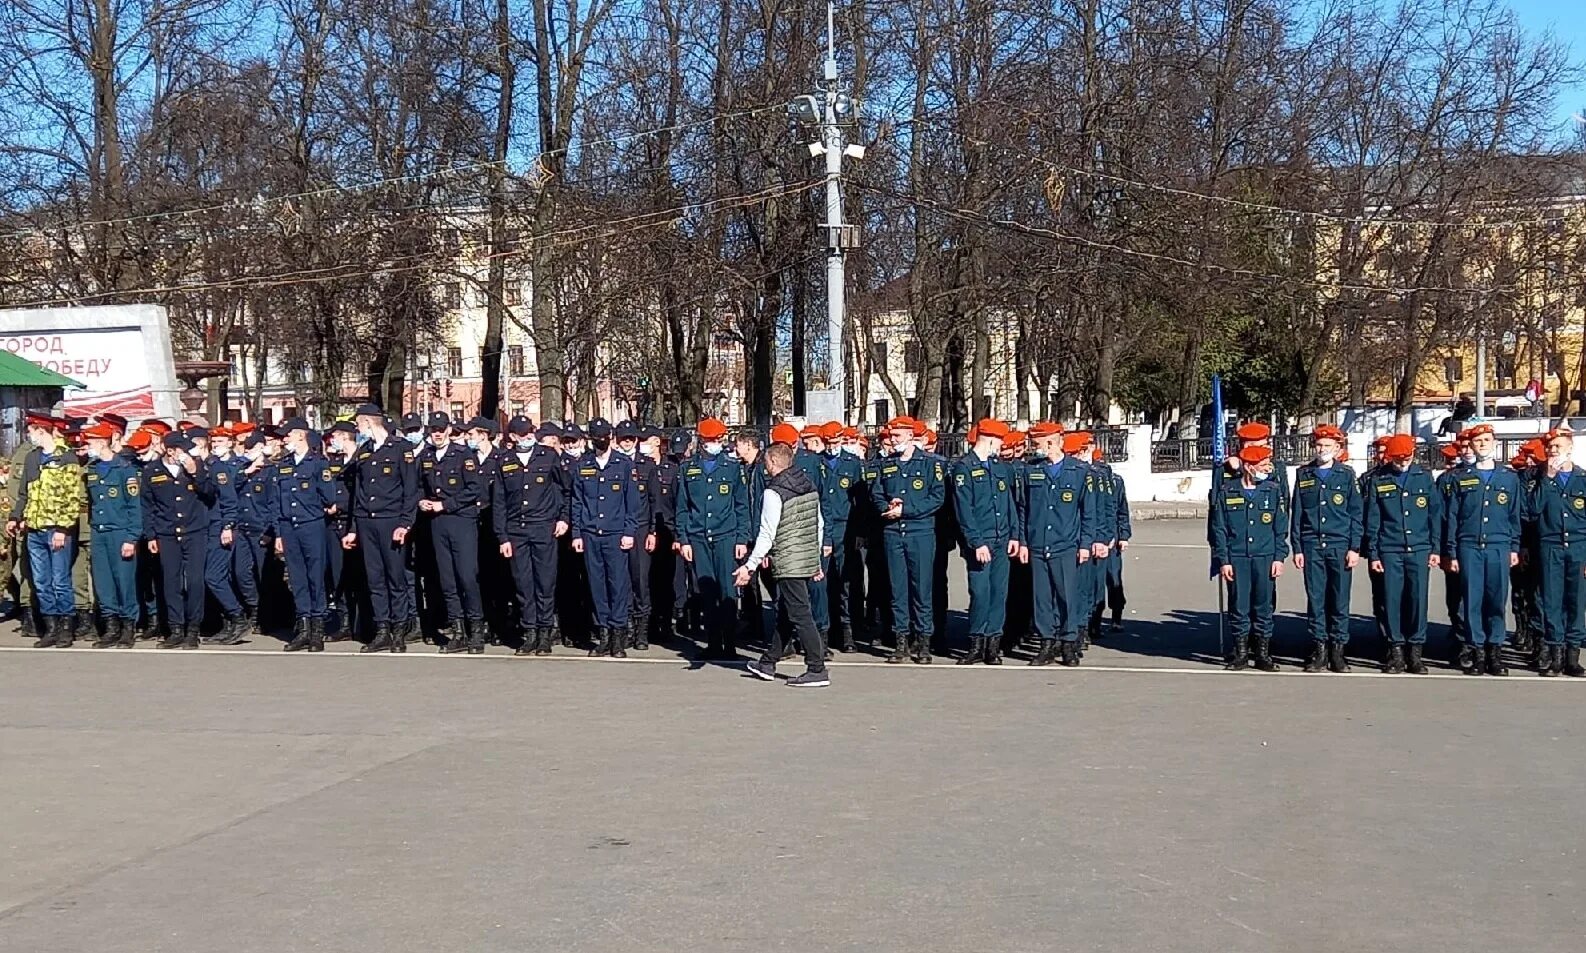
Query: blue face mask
(415, 438)
(473, 444)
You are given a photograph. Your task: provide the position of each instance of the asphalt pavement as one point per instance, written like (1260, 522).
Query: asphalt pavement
(244, 799)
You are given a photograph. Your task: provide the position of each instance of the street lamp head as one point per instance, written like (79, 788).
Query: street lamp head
(805, 109)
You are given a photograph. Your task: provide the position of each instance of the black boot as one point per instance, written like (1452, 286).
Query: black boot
(452, 640)
(1394, 664)
(531, 643)
(112, 634)
(1335, 657)
(1238, 655)
(25, 625)
(641, 633)
(845, 640)
(548, 640)
(1572, 667)
(900, 649)
(380, 642)
(65, 628)
(190, 641)
(1318, 660)
(619, 643)
(301, 637)
(47, 638)
(1545, 654)
(1415, 665)
(1466, 660)
(994, 649)
(977, 649)
(1046, 653)
(401, 632)
(1070, 658)
(922, 649)
(1264, 660)
(232, 630)
(316, 634)
(476, 630)
(1495, 664)
(127, 633)
(174, 639)
(602, 643)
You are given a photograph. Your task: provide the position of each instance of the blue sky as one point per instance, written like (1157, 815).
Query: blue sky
(1567, 19)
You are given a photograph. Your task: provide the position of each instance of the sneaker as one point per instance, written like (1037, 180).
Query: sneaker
(810, 680)
(763, 670)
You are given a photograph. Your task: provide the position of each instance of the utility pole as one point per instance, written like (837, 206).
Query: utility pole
(830, 109)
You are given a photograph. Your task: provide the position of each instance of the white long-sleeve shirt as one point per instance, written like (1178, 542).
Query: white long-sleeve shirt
(770, 519)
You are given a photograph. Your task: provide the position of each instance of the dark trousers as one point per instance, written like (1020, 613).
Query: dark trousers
(988, 590)
(1454, 605)
(1251, 597)
(247, 563)
(820, 611)
(713, 593)
(879, 577)
(182, 561)
(151, 598)
(1115, 596)
(1484, 570)
(1404, 577)
(572, 590)
(334, 557)
(845, 582)
(1563, 594)
(794, 598)
(1054, 589)
(115, 576)
(666, 576)
(535, 554)
(385, 569)
(911, 558)
(304, 545)
(217, 573)
(1326, 591)
(609, 585)
(456, 546)
(639, 576)
(1020, 595)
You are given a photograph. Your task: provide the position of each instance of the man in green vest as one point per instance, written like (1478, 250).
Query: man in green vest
(790, 534)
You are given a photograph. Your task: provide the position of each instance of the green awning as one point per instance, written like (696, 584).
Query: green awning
(20, 372)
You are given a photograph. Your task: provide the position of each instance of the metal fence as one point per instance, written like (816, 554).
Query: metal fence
(1168, 456)
(1114, 444)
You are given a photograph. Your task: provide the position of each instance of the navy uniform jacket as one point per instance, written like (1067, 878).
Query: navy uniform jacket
(385, 482)
(1250, 523)
(301, 490)
(1558, 507)
(646, 477)
(256, 499)
(530, 493)
(1058, 515)
(1484, 512)
(605, 499)
(983, 500)
(813, 465)
(844, 485)
(226, 474)
(455, 479)
(175, 505)
(1403, 512)
(337, 464)
(113, 497)
(666, 495)
(1125, 524)
(1105, 501)
(712, 506)
(920, 482)
(1445, 489)
(1326, 508)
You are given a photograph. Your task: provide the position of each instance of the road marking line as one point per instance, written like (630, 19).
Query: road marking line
(1527, 678)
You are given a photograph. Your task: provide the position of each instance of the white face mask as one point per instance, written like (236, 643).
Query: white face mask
(1326, 457)
(1259, 477)
(712, 447)
(852, 449)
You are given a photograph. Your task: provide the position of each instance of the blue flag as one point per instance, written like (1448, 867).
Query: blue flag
(1217, 419)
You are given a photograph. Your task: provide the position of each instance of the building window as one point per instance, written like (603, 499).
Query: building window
(481, 296)
(911, 357)
(457, 410)
(520, 409)
(878, 354)
(454, 362)
(514, 294)
(451, 296)
(449, 241)
(882, 409)
(515, 360)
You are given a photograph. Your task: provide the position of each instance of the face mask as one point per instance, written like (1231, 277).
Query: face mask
(1400, 466)
(712, 448)
(1325, 457)
(415, 438)
(473, 443)
(1259, 477)
(363, 438)
(852, 449)
(602, 445)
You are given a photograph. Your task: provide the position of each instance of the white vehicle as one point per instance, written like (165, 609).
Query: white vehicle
(121, 352)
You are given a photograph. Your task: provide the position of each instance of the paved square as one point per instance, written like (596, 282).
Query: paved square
(247, 800)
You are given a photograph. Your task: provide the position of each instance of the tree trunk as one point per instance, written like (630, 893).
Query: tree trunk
(496, 280)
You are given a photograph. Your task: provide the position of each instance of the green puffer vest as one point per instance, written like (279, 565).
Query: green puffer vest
(796, 550)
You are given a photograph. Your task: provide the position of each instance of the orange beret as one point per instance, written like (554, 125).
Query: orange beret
(1400, 446)
(1450, 452)
(1042, 429)
(785, 433)
(972, 435)
(851, 433)
(711, 429)
(99, 431)
(1380, 442)
(930, 435)
(1327, 432)
(1015, 438)
(1556, 433)
(139, 439)
(810, 431)
(991, 427)
(1255, 430)
(242, 428)
(221, 431)
(831, 430)
(1076, 441)
(1536, 448)
(1477, 431)
(1097, 456)
(1255, 454)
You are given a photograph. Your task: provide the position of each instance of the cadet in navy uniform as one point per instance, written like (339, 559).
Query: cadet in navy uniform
(1557, 504)
(605, 511)
(1079, 447)
(222, 519)
(908, 490)
(255, 516)
(1123, 532)
(844, 586)
(1453, 589)
(530, 511)
(343, 584)
(1325, 534)
(451, 496)
(302, 489)
(639, 557)
(1483, 530)
(1250, 541)
(176, 490)
(116, 518)
(1058, 537)
(1403, 516)
(385, 491)
(712, 534)
(983, 500)
(666, 569)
